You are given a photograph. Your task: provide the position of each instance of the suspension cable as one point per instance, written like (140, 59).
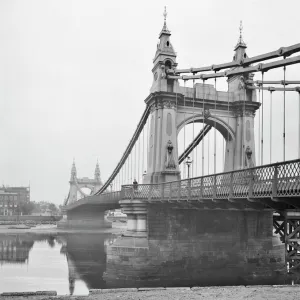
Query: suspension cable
(127, 171)
(259, 97)
(131, 167)
(148, 140)
(196, 161)
(243, 126)
(299, 127)
(179, 167)
(223, 151)
(193, 113)
(203, 128)
(143, 152)
(271, 100)
(262, 120)
(215, 130)
(284, 71)
(134, 170)
(184, 127)
(208, 143)
(139, 150)
(122, 175)
(228, 96)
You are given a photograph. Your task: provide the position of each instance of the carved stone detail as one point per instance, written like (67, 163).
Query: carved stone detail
(163, 71)
(169, 158)
(169, 104)
(242, 83)
(152, 107)
(159, 105)
(206, 114)
(244, 113)
(248, 158)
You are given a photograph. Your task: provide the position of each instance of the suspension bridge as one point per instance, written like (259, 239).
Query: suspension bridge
(226, 170)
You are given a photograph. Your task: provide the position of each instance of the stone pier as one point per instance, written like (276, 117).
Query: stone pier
(85, 217)
(136, 211)
(194, 247)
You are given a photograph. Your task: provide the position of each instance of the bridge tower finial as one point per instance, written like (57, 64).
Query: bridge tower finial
(97, 172)
(165, 58)
(240, 42)
(240, 47)
(241, 30)
(73, 171)
(165, 19)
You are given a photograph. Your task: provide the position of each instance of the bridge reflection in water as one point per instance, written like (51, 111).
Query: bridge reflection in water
(86, 257)
(65, 262)
(97, 260)
(186, 253)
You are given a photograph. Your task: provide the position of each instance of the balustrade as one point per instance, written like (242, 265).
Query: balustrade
(274, 180)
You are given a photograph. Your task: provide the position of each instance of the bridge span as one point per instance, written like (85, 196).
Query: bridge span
(217, 205)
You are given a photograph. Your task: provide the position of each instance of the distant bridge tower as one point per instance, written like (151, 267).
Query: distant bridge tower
(173, 106)
(77, 184)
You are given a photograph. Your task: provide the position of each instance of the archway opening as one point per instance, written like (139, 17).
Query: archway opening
(85, 190)
(168, 64)
(207, 154)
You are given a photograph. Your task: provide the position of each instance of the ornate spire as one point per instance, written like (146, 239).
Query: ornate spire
(73, 170)
(165, 29)
(97, 172)
(165, 19)
(241, 30)
(240, 42)
(164, 59)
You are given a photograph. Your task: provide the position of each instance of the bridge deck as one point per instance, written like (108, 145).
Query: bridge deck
(274, 181)
(109, 200)
(280, 181)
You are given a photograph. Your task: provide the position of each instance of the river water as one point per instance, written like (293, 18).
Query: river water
(69, 263)
(73, 263)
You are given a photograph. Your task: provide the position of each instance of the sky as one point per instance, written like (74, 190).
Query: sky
(74, 76)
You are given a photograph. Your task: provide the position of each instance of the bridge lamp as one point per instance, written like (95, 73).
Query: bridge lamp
(188, 163)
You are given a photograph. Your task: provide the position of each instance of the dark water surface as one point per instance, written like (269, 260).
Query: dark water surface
(73, 263)
(69, 263)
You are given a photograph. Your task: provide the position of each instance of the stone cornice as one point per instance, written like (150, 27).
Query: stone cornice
(159, 100)
(219, 105)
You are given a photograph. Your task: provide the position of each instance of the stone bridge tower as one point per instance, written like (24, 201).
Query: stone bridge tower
(173, 106)
(76, 185)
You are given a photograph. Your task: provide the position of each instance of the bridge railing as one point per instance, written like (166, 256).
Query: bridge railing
(274, 180)
(110, 196)
(105, 198)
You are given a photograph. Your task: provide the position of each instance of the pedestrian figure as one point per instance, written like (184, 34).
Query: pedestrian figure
(135, 184)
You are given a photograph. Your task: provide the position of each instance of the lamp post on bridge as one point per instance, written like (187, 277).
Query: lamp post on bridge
(188, 163)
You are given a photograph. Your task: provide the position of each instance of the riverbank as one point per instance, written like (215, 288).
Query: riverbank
(195, 293)
(117, 228)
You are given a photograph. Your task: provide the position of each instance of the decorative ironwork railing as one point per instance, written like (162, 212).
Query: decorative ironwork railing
(268, 181)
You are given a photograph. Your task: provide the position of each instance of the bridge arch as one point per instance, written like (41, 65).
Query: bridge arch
(223, 127)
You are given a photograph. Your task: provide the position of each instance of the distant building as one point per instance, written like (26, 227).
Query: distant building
(10, 199)
(8, 203)
(23, 192)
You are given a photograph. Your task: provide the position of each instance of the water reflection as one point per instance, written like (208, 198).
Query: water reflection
(14, 248)
(86, 258)
(69, 263)
(73, 263)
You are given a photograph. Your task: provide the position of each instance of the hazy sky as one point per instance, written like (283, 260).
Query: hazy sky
(74, 75)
